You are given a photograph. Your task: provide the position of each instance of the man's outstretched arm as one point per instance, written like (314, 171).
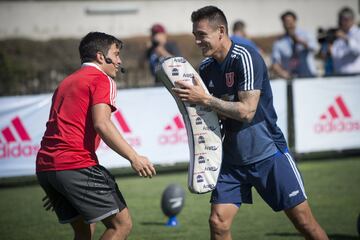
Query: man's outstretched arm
(101, 115)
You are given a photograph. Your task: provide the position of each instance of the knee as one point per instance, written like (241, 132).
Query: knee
(120, 226)
(305, 225)
(126, 226)
(219, 225)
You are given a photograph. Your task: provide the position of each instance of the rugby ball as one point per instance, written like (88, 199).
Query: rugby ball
(172, 200)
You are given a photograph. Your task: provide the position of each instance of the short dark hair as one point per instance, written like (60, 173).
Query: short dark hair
(346, 12)
(238, 26)
(212, 13)
(95, 42)
(288, 13)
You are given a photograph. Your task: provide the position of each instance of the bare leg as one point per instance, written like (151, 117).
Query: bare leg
(82, 231)
(118, 226)
(220, 221)
(304, 221)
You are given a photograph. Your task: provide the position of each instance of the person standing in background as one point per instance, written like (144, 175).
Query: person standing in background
(240, 36)
(160, 48)
(293, 53)
(345, 51)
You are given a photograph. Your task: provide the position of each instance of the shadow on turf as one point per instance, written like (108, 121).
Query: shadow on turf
(331, 236)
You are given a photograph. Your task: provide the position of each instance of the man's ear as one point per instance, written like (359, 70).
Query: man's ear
(100, 58)
(222, 30)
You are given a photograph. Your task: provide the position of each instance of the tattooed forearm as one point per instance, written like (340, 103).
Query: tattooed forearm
(243, 110)
(225, 108)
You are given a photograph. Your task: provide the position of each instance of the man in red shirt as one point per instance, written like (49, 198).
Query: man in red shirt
(81, 191)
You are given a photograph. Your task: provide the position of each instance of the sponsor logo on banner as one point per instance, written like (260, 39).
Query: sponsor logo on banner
(180, 60)
(174, 133)
(199, 179)
(336, 119)
(15, 141)
(198, 121)
(211, 168)
(210, 186)
(175, 72)
(188, 75)
(211, 128)
(201, 159)
(201, 139)
(229, 79)
(211, 148)
(124, 127)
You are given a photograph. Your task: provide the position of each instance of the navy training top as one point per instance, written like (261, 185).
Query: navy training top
(244, 70)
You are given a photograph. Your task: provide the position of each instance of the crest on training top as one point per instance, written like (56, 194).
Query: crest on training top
(229, 79)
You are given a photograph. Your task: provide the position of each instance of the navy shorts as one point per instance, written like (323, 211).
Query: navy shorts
(276, 179)
(90, 192)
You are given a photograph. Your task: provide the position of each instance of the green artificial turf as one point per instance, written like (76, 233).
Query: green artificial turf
(332, 186)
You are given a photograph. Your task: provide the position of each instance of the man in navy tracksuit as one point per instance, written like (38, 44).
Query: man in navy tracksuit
(254, 149)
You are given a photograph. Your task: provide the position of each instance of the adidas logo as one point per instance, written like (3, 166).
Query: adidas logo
(124, 127)
(15, 141)
(177, 123)
(336, 110)
(174, 132)
(211, 84)
(15, 132)
(337, 118)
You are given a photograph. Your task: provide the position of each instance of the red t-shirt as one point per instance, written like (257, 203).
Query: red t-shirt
(70, 140)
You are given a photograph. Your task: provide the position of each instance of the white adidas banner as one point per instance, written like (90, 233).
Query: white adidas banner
(22, 124)
(327, 114)
(279, 89)
(148, 119)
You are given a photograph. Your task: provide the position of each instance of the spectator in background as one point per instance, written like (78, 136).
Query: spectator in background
(240, 36)
(326, 38)
(293, 53)
(160, 48)
(345, 50)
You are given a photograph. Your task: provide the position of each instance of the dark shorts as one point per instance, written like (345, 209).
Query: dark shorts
(276, 179)
(90, 192)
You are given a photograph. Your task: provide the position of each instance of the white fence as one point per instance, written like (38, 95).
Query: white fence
(326, 118)
(327, 114)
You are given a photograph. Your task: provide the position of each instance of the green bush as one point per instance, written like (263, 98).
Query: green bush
(31, 67)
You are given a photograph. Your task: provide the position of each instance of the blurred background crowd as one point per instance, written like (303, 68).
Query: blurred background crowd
(38, 40)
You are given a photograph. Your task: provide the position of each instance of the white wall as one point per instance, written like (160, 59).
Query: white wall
(44, 20)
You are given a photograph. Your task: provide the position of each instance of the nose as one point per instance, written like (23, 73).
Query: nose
(119, 61)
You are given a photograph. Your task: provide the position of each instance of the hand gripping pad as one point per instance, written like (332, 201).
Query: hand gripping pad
(202, 126)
